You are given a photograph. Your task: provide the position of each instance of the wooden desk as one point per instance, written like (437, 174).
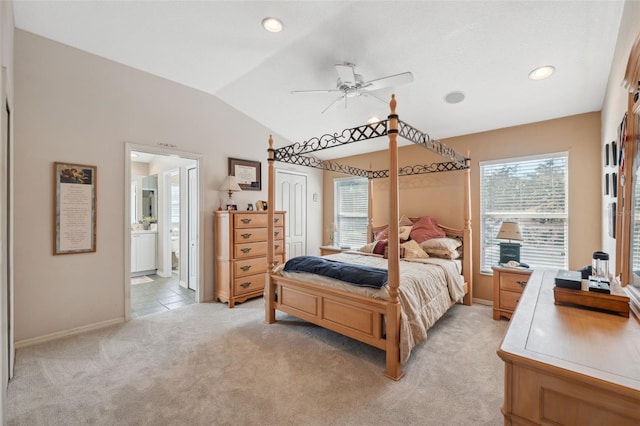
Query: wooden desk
(566, 365)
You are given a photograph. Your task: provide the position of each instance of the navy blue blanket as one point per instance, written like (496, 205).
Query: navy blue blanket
(363, 276)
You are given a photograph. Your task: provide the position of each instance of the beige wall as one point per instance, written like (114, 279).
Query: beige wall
(441, 194)
(75, 107)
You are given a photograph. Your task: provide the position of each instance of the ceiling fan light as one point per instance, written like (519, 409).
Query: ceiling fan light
(273, 25)
(542, 72)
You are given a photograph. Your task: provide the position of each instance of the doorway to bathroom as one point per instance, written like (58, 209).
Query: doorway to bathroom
(164, 227)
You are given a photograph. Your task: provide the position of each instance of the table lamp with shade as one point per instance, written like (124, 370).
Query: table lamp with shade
(230, 185)
(509, 230)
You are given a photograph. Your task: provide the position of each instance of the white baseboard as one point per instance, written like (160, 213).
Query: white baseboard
(59, 334)
(483, 302)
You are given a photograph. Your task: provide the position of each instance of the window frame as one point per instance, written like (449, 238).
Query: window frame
(335, 227)
(491, 240)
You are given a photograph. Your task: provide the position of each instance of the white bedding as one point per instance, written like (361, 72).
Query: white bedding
(428, 287)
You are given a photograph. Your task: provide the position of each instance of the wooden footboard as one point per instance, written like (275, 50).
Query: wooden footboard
(352, 315)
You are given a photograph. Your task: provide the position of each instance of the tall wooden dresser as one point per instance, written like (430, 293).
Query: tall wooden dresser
(241, 253)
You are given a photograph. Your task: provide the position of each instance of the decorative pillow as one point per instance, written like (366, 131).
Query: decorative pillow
(412, 250)
(384, 234)
(426, 228)
(404, 232)
(443, 253)
(380, 247)
(368, 248)
(441, 243)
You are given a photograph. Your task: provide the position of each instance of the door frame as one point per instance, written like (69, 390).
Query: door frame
(198, 158)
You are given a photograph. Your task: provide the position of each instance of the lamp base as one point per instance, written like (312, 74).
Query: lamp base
(509, 251)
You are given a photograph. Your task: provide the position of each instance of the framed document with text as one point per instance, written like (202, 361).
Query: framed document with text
(74, 208)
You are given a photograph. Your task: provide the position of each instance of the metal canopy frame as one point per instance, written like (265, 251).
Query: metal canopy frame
(300, 153)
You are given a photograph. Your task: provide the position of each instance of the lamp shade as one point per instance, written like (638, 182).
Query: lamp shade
(230, 185)
(509, 231)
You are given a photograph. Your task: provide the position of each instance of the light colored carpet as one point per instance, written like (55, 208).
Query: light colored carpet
(205, 364)
(141, 280)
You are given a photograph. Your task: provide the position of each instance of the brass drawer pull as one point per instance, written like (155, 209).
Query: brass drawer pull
(245, 235)
(245, 221)
(522, 283)
(245, 268)
(246, 250)
(245, 285)
(276, 233)
(276, 219)
(276, 246)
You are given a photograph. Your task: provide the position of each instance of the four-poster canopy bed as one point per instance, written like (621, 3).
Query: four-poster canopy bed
(371, 320)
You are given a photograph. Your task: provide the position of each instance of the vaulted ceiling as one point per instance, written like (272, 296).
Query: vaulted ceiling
(484, 49)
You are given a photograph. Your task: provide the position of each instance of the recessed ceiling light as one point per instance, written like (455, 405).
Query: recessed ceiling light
(454, 97)
(273, 25)
(134, 155)
(542, 72)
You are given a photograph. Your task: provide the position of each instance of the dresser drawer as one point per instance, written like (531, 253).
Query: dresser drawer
(242, 251)
(249, 284)
(243, 268)
(278, 260)
(278, 233)
(250, 235)
(278, 246)
(513, 282)
(247, 220)
(509, 299)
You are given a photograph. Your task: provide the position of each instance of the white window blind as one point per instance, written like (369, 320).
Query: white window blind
(351, 206)
(533, 191)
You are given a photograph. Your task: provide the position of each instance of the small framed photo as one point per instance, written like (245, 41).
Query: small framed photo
(606, 154)
(247, 172)
(232, 207)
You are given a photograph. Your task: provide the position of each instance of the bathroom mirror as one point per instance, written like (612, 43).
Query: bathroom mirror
(144, 198)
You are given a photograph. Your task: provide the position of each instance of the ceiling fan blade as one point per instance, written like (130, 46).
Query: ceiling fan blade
(319, 91)
(332, 104)
(392, 80)
(375, 97)
(346, 73)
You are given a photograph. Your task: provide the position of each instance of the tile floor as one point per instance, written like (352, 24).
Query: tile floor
(162, 294)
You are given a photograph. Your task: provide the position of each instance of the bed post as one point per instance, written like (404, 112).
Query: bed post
(467, 265)
(394, 367)
(370, 208)
(269, 290)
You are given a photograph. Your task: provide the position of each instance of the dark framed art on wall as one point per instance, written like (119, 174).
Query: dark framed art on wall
(247, 172)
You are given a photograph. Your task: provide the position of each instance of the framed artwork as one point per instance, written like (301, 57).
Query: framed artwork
(75, 188)
(614, 153)
(606, 184)
(612, 219)
(232, 207)
(247, 172)
(606, 154)
(614, 185)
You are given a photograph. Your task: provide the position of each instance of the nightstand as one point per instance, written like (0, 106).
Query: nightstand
(325, 250)
(508, 284)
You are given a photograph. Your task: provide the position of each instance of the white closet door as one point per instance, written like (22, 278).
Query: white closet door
(291, 196)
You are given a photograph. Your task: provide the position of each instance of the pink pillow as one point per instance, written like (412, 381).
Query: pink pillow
(426, 228)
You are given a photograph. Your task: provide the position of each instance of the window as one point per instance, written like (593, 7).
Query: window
(351, 207)
(533, 192)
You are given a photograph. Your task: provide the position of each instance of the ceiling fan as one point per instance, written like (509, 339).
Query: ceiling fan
(352, 85)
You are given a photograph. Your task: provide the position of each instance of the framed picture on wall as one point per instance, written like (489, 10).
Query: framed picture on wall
(611, 213)
(606, 154)
(606, 184)
(614, 153)
(74, 208)
(247, 172)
